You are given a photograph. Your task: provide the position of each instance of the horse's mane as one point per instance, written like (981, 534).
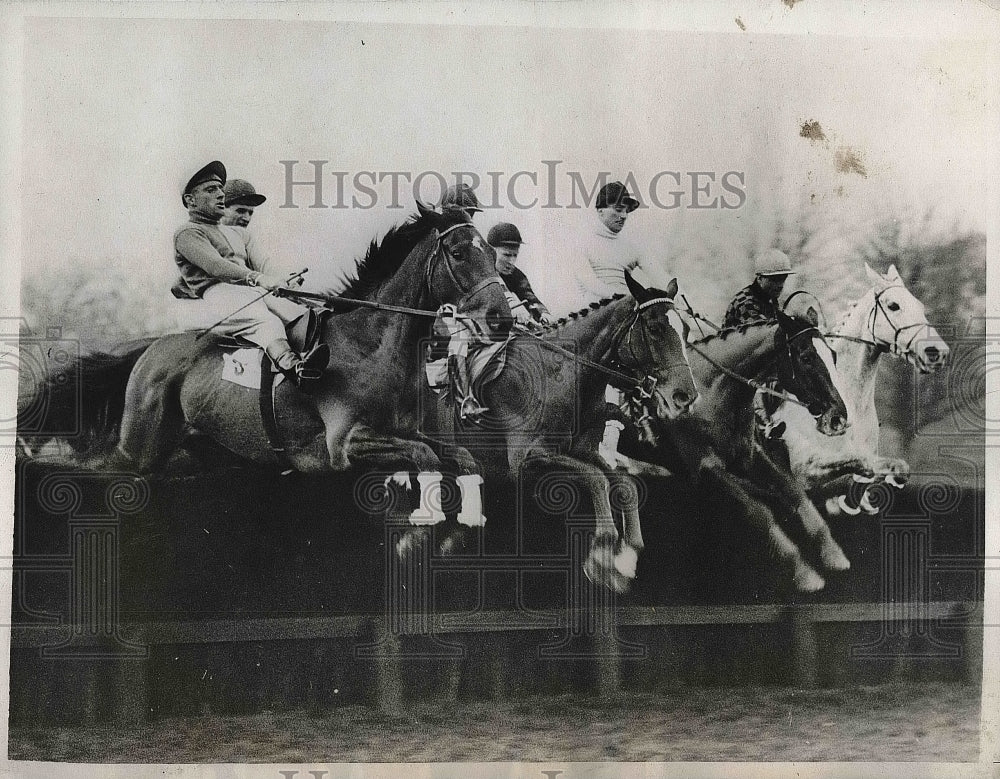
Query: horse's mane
(384, 257)
(573, 316)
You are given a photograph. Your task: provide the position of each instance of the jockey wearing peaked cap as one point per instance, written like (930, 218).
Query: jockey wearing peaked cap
(759, 300)
(222, 274)
(506, 241)
(241, 200)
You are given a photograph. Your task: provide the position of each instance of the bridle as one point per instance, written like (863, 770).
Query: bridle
(625, 346)
(442, 252)
(871, 318)
(444, 309)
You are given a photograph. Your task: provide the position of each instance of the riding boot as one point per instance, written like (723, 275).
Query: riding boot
(304, 370)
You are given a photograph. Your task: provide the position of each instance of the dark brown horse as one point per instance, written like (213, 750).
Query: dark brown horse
(546, 409)
(364, 409)
(716, 443)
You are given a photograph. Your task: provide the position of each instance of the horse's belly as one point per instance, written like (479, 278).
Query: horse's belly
(232, 417)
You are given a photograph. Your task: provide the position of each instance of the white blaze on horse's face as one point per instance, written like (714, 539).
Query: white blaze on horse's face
(825, 352)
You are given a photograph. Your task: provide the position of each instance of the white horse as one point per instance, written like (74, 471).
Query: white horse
(886, 320)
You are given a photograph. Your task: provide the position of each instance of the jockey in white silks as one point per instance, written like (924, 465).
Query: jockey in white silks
(601, 258)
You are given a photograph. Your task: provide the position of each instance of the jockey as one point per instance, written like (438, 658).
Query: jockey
(222, 271)
(505, 239)
(607, 253)
(608, 256)
(756, 302)
(241, 200)
(759, 300)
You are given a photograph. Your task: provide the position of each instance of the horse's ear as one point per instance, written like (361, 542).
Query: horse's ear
(812, 316)
(893, 274)
(873, 277)
(425, 210)
(671, 289)
(635, 288)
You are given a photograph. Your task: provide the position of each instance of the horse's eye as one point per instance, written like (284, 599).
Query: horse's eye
(893, 306)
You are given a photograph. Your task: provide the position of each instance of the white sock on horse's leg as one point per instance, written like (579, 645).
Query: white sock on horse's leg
(428, 512)
(471, 513)
(608, 448)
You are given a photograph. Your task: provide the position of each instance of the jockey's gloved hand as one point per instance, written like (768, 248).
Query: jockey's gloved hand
(267, 281)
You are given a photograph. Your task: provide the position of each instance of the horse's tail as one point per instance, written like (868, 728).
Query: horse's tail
(81, 402)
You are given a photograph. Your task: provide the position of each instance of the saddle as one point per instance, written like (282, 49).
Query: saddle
(303, 333)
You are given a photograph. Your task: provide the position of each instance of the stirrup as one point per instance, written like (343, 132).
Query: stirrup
(308, 369)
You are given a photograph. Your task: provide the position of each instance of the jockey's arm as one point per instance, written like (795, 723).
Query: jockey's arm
(641, 275)
(198, 250)
(260, 261)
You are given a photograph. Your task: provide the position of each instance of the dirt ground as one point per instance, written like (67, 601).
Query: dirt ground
(896, 722)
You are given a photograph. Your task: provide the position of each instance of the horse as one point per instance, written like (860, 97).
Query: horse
(363, 411)
(886, 320)
(548, 407)
(715, 444)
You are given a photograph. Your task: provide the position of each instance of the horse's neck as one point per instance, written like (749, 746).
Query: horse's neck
(386, 338)
(595, 333)
(727, 402)
(857, 364)
(749, 353)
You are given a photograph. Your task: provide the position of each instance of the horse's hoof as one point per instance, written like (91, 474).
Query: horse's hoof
(892, 480)
(850, 510)
(625, 561)
(608, 578)
(806, 579)
(833, 558)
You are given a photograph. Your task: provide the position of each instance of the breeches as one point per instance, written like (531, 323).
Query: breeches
(261, 322)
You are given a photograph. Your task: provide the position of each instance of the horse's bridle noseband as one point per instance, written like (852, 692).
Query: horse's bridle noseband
(441, 251)
(892, 346)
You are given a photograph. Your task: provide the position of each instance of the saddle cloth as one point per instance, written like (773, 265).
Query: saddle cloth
(242, 367)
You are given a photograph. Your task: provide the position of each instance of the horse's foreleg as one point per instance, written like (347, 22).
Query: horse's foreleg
(830, 554)
(339, 420)
(625, 497)
(599, 565)
(804, 576)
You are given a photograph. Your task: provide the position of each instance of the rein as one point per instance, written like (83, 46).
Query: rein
(646, 385)
(756, 385)
(449, 309)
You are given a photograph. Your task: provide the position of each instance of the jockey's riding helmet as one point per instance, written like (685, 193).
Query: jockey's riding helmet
(241, 193)
(504, 234)
(772, 262)
(614, 194)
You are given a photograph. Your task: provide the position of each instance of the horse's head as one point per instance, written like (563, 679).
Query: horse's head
(462, 271)
(654, 345)
(897, 322)
(805, 367)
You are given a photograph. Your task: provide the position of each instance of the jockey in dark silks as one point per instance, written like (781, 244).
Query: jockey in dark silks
(221, 277)
(759, 301)
(506, 241)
